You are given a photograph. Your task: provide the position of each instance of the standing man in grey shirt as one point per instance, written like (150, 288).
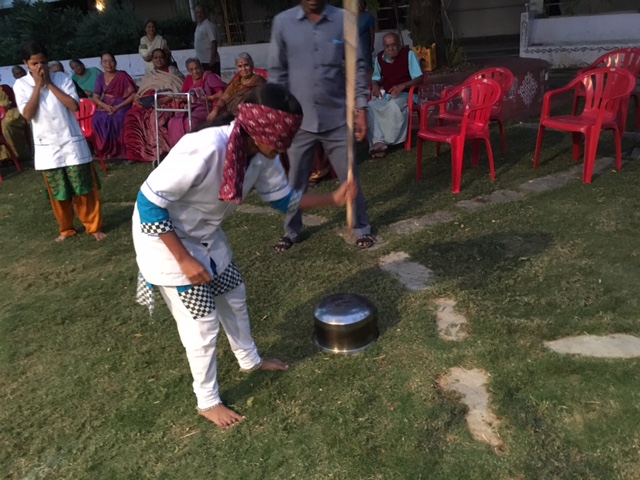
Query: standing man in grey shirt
(307, 56)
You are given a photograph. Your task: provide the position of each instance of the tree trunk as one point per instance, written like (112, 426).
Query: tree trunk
(425, 24)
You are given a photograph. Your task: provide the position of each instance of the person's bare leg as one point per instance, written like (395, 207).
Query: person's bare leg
(273, 364)
(222, 416)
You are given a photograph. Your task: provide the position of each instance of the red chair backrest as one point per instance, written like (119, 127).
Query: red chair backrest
(502, 76)
(12, 98)
(627, 58)
(601, 86)
(478, 97)
(85, 116)
(263, 73)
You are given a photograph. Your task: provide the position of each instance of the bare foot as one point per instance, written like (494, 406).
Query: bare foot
(61, 238)
(99, 236)
(273, 364)
(222, 416)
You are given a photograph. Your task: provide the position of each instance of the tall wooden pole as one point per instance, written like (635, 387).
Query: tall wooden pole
(351, 59)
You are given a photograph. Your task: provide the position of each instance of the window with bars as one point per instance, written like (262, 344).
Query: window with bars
(392, 13)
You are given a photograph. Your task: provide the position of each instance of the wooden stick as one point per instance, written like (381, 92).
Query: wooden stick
(351, 59)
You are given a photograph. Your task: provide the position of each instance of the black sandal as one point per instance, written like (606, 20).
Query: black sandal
(284, 244)
(365, 241)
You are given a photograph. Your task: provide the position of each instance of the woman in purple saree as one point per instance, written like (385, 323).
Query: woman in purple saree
(114, 93)
(212, 86)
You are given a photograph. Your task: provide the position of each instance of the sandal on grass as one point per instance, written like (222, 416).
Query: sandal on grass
(284, 244)
(365, 241)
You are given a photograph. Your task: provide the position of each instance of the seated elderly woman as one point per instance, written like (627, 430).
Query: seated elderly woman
(199, 80)
(140, 121)
(396, 70)
(114, 92)
(85, 77)
(14, 129)
(56, 67)
(18, 72)
(244, 81)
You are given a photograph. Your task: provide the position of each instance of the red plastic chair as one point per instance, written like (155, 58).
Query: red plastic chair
(478, 98)
(606, 91)
(5, 143)
(84, 115)
(627, 58)
(414, 109)
(504, 77)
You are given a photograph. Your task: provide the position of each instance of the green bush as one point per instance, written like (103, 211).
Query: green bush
(67, 33)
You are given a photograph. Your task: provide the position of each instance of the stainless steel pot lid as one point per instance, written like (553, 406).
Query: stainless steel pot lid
(344, 309)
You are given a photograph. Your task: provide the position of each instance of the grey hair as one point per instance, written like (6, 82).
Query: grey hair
(192, 60)
(56, 63)
(245, 56)
(395, 36)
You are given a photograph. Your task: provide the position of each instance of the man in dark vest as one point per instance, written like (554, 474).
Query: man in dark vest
(396, 69)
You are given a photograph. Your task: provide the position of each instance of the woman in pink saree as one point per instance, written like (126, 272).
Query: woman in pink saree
(207, 82)
(140, 121)
(114, 92)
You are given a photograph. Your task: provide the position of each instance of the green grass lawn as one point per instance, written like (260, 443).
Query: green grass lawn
(92, 388)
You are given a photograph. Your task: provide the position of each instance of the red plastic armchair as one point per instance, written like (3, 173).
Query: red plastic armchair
(478, 98)
(627, 58)
(504, 78)
(414, 109)
(606, 91)
(5, 143)
(84, 115)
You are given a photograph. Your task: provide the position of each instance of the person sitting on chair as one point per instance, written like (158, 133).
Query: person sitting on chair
(396, 70)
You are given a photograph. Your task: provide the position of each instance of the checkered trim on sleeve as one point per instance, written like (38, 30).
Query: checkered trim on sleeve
(198, 300)
(156, 228)
(294, 201)
(230, 279)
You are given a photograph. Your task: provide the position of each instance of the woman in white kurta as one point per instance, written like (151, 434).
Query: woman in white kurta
(181, 248)
(150, 42)
(48, 101)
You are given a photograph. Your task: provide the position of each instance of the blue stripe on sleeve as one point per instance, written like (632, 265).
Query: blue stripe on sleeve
(282, 205)
(150, 212)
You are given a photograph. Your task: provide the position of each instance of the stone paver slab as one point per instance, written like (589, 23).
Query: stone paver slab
(499, 196)
(616, 345)
(414, 276)
(471, 385)
(308, 220)
(451, 324)
(412, 225)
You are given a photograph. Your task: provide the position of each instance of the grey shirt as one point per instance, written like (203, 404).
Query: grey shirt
(308, 59)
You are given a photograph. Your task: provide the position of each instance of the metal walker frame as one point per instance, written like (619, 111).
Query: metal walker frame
(187, 100)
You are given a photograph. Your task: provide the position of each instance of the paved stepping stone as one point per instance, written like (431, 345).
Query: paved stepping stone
(451, 324)
(481, 421)
(307, 219)
(412, 225)
(616, 345)
(603, 164)
(412, 275)
(550, 182)
(499, 196)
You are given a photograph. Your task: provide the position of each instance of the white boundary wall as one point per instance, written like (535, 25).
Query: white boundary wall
(132, 63)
